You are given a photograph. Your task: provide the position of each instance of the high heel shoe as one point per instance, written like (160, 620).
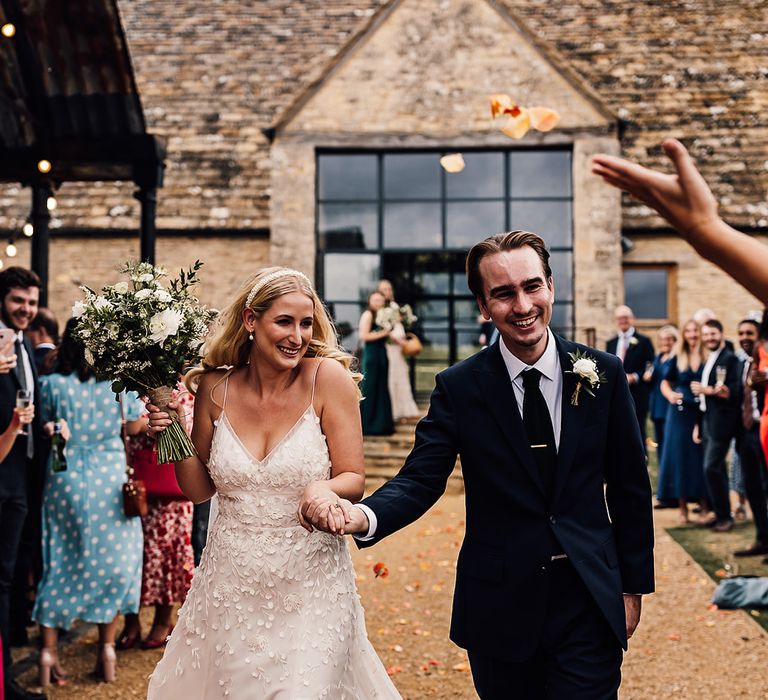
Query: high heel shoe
(106, 665)
(127, 640)
(49, 669)
(150, 643)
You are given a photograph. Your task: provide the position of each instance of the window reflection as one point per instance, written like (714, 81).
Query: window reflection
(562, 319)
(645, 292)
(349, 277)
(347, 226)
(412, 175)
(561, 263)
(540, 174)
(347, 176)
(412, 225)
(550, 219)
(470, 222)
(483, 176)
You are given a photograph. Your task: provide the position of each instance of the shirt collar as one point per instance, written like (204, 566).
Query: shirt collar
(547, 364)
(629, 333)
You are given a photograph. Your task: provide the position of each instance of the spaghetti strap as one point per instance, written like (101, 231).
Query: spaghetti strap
(226, 388)
(314, 383)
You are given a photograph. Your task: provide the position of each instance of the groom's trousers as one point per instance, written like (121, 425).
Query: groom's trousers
(577, 658)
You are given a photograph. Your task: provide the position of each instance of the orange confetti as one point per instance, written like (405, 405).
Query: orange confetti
(543, 118)
(721, 573)
(502, 104)
(463, 667)
(517, 126)
(452, 163)
(673, 637)
(380, 570)
(392, 670)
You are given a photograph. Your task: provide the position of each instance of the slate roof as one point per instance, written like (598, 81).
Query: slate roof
(212, 75)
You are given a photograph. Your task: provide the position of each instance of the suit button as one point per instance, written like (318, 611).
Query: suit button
(552, 519)
(543, 569)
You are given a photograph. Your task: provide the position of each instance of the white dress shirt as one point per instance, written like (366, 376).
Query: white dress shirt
(708, 365)
(550, 384)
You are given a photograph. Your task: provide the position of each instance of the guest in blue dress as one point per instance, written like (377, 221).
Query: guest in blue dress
(376, 406)
(658, 404)
(91, 552)
(681, 472)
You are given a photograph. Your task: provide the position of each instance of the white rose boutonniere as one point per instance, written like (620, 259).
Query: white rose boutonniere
(585, 368)
(633, 340)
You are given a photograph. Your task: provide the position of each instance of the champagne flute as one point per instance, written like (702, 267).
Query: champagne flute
(720, 373)
(23, 400)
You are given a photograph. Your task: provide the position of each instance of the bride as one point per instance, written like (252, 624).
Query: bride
(273, 611)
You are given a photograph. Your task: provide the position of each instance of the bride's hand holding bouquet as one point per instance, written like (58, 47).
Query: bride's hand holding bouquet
(141, 334)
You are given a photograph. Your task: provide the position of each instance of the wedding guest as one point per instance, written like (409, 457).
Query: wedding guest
(376, 406)
(43, 333)
(752, 460)
(657, 405)
(681, 468)
(21, 475)
(91, 550)
(718, 393)
(635, 350)
(759, 380)
(168, 556)
(686, 202)
(398, 375)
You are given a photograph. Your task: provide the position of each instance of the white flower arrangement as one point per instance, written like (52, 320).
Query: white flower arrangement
(387, 317)
(141, 336)
(585, 368)
(407, 316)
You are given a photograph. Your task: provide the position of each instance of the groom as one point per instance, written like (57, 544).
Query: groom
(559, 534)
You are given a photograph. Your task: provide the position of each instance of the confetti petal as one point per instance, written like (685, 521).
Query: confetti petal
(452, 163)
(518, 126)
(380, 570)
(500, 103)
(543, 118)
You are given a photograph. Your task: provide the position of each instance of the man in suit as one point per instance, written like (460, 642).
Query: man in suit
(549, 579)
(21, 472)
(635, 350)
(718, 394)
(752, 400)
(43, 333)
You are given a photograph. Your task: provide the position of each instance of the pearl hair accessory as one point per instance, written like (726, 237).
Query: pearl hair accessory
(271, 277)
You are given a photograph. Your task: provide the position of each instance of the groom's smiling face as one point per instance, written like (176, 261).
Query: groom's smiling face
(518, 299)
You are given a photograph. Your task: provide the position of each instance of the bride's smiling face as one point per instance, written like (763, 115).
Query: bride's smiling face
(282, 333)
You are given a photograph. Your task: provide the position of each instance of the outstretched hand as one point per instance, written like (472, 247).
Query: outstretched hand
(684, 198)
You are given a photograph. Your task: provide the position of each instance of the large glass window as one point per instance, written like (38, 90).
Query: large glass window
(399, 215)
(647, 292)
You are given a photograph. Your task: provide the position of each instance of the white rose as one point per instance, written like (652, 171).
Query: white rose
(585, 368)
(78, 309)
(162, 295)
(101, 303)
(121, 288)
(143, 294)
(146, 277)
(593, 378)
(164, 324)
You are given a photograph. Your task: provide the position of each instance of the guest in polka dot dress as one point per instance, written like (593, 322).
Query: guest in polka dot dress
(91, 552)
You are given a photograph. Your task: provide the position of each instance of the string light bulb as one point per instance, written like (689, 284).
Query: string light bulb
(44, 166)
(51, 203)
(10, 250)
(8, 30)
(28, 229)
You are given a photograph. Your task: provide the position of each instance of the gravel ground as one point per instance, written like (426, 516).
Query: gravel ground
(683, 649)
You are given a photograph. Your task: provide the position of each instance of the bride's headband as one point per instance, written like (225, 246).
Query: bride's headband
(271, 277)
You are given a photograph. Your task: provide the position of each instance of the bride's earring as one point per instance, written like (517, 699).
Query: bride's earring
(250, 336)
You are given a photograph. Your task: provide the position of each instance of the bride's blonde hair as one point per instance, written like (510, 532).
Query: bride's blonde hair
(228, 344)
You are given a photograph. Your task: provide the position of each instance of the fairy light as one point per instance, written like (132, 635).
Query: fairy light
(10, 250)
(28, 229)
(44, 166)
(8, 30)
(52, 203)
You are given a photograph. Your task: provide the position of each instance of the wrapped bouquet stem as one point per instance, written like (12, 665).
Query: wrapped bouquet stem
(141, 335)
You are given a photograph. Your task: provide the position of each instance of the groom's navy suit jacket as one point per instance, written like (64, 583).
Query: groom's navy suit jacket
(600, 511)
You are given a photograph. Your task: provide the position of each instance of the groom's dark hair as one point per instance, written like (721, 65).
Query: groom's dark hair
(499, 243)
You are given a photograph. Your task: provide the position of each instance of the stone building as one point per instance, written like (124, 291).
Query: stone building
(309, 134)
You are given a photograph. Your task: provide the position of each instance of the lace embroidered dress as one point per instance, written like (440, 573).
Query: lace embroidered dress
(273, 612)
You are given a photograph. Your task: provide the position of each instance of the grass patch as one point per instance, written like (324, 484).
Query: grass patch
(714, 552)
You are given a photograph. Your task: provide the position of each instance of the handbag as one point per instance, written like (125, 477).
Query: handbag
(411, 345)
(134, 491)
(159, 479)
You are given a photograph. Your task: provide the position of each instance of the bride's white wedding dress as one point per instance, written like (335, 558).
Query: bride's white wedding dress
(273, 612)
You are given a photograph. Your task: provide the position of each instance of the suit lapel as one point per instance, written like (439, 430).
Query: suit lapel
(500, 397)
(571, 419)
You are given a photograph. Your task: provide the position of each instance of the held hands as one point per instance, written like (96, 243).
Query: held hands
(321, 507)
(683, 199)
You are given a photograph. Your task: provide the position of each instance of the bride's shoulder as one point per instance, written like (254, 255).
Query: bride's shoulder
(211, 385)
(329, 375)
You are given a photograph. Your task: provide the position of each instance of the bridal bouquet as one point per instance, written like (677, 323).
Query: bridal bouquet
(141, 335)
(387, 317)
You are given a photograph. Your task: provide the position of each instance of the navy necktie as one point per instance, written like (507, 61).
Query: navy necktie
(538, 427)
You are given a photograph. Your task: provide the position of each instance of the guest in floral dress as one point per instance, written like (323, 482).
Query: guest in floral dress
(91, 550)
(168, 555)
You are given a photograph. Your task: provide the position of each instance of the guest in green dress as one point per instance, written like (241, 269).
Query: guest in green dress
(92, 553)
(375, 408)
